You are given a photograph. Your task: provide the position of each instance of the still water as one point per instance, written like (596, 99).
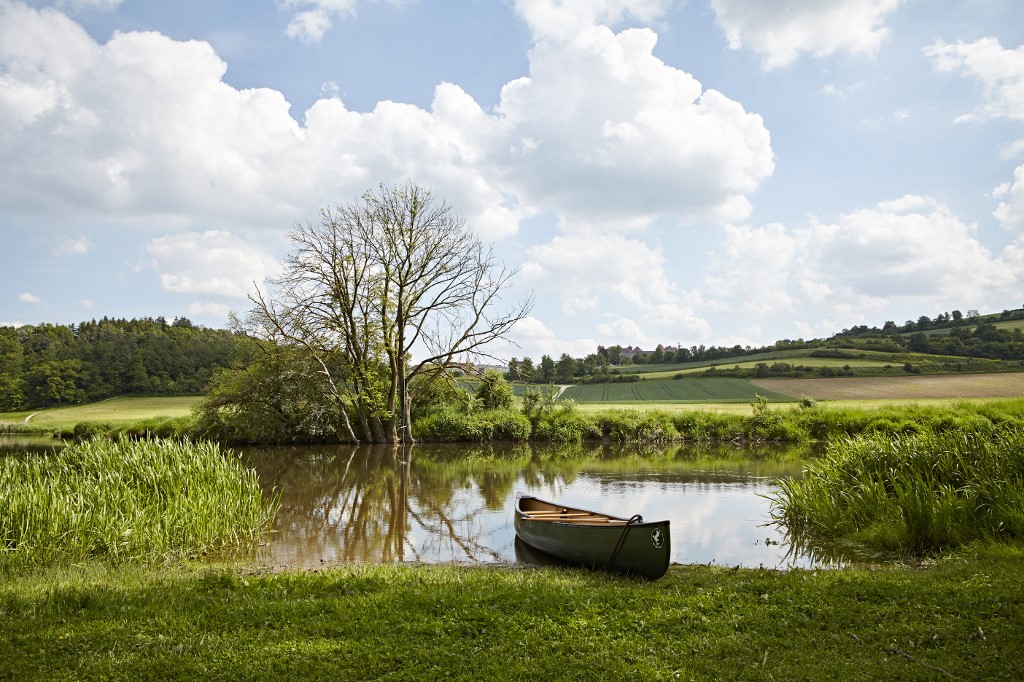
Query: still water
(453, 503)
(441, 504)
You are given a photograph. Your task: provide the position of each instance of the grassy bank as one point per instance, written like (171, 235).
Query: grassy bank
(565, 422)
(760, 421)
(126, 501)
(958, 618)
(910, 494)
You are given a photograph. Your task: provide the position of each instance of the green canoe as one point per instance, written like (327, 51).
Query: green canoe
(594, 539)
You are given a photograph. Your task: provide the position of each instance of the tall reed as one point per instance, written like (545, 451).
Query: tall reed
(909, 494)
(127, 500)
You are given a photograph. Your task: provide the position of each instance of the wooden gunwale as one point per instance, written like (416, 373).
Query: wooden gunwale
(577, 518)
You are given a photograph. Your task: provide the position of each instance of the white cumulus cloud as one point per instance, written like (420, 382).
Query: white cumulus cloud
(101, 5)
(73, 246)
(1000, 70)
(143, 130)
(208, 309)
(782, 30)
(1010, 212)
(213, 263)
(617, 270)
(1001, 73)
(563, 19)
(604, 131)
(912, 250)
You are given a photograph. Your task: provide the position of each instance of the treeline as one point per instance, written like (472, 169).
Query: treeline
(50, 365)
(982, 341)
(607, 363)
(955, 334)
(949, 320)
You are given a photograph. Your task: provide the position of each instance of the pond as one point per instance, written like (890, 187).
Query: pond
(454, 503)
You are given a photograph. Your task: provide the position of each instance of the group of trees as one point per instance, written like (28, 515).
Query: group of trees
(378, 300)
(984, 341)
(609, 361)
(948, 320)
(969, 335)
(48, 365)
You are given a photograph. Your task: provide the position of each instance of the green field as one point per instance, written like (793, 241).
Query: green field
(113, 411)
(671, 368)
(672, 391)
(751, 364)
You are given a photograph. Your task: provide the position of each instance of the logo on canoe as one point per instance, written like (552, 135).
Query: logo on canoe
(657, 538)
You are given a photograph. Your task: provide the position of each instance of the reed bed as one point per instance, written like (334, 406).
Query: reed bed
(909, 494)
(127, 501)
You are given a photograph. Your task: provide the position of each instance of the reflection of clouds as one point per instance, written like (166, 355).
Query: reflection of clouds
(364, 506)
(717, 522)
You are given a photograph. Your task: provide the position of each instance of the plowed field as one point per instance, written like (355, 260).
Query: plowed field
(894, 388)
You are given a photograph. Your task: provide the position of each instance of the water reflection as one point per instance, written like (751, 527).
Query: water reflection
(436, 503)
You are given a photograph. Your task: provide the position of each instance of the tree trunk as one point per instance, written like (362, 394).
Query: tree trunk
(347, 423)
(407, 419)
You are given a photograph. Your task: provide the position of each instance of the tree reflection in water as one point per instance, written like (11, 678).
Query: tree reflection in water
(453, 503)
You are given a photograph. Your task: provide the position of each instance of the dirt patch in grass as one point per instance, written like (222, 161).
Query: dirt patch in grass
(897, 388)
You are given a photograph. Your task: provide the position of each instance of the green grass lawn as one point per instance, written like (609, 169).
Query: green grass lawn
(113, 411)
(959, 618)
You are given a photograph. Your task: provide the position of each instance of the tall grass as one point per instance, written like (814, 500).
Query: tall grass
(909, 494)
(126, 501)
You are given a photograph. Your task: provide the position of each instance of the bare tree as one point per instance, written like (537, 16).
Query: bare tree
(386, 295)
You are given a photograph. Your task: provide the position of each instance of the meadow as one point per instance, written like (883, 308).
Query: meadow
(817, 363)
(112, 411)
(107, 611)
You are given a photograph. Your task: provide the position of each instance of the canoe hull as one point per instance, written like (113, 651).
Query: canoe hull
(638, 548)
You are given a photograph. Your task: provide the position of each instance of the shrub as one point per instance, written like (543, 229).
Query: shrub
(887, 426)
(448, 426)
(508, 425)
(708, 426)
(565, 426)
(87, 430)
(494, 393)
(452, 426)
(631, 426)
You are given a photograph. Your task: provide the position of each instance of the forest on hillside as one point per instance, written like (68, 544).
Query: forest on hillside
(49, 365)
(948, 334)
(46, 365)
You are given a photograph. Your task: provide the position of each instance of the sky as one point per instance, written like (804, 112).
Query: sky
(695, 172)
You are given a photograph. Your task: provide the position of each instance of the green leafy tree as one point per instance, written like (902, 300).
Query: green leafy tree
(442, 393)
(374, 280)
(513, 370)
(493, 391)
(565, 369)
(275, 395)
(547, 369)
(526, 369)
(56, 382)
